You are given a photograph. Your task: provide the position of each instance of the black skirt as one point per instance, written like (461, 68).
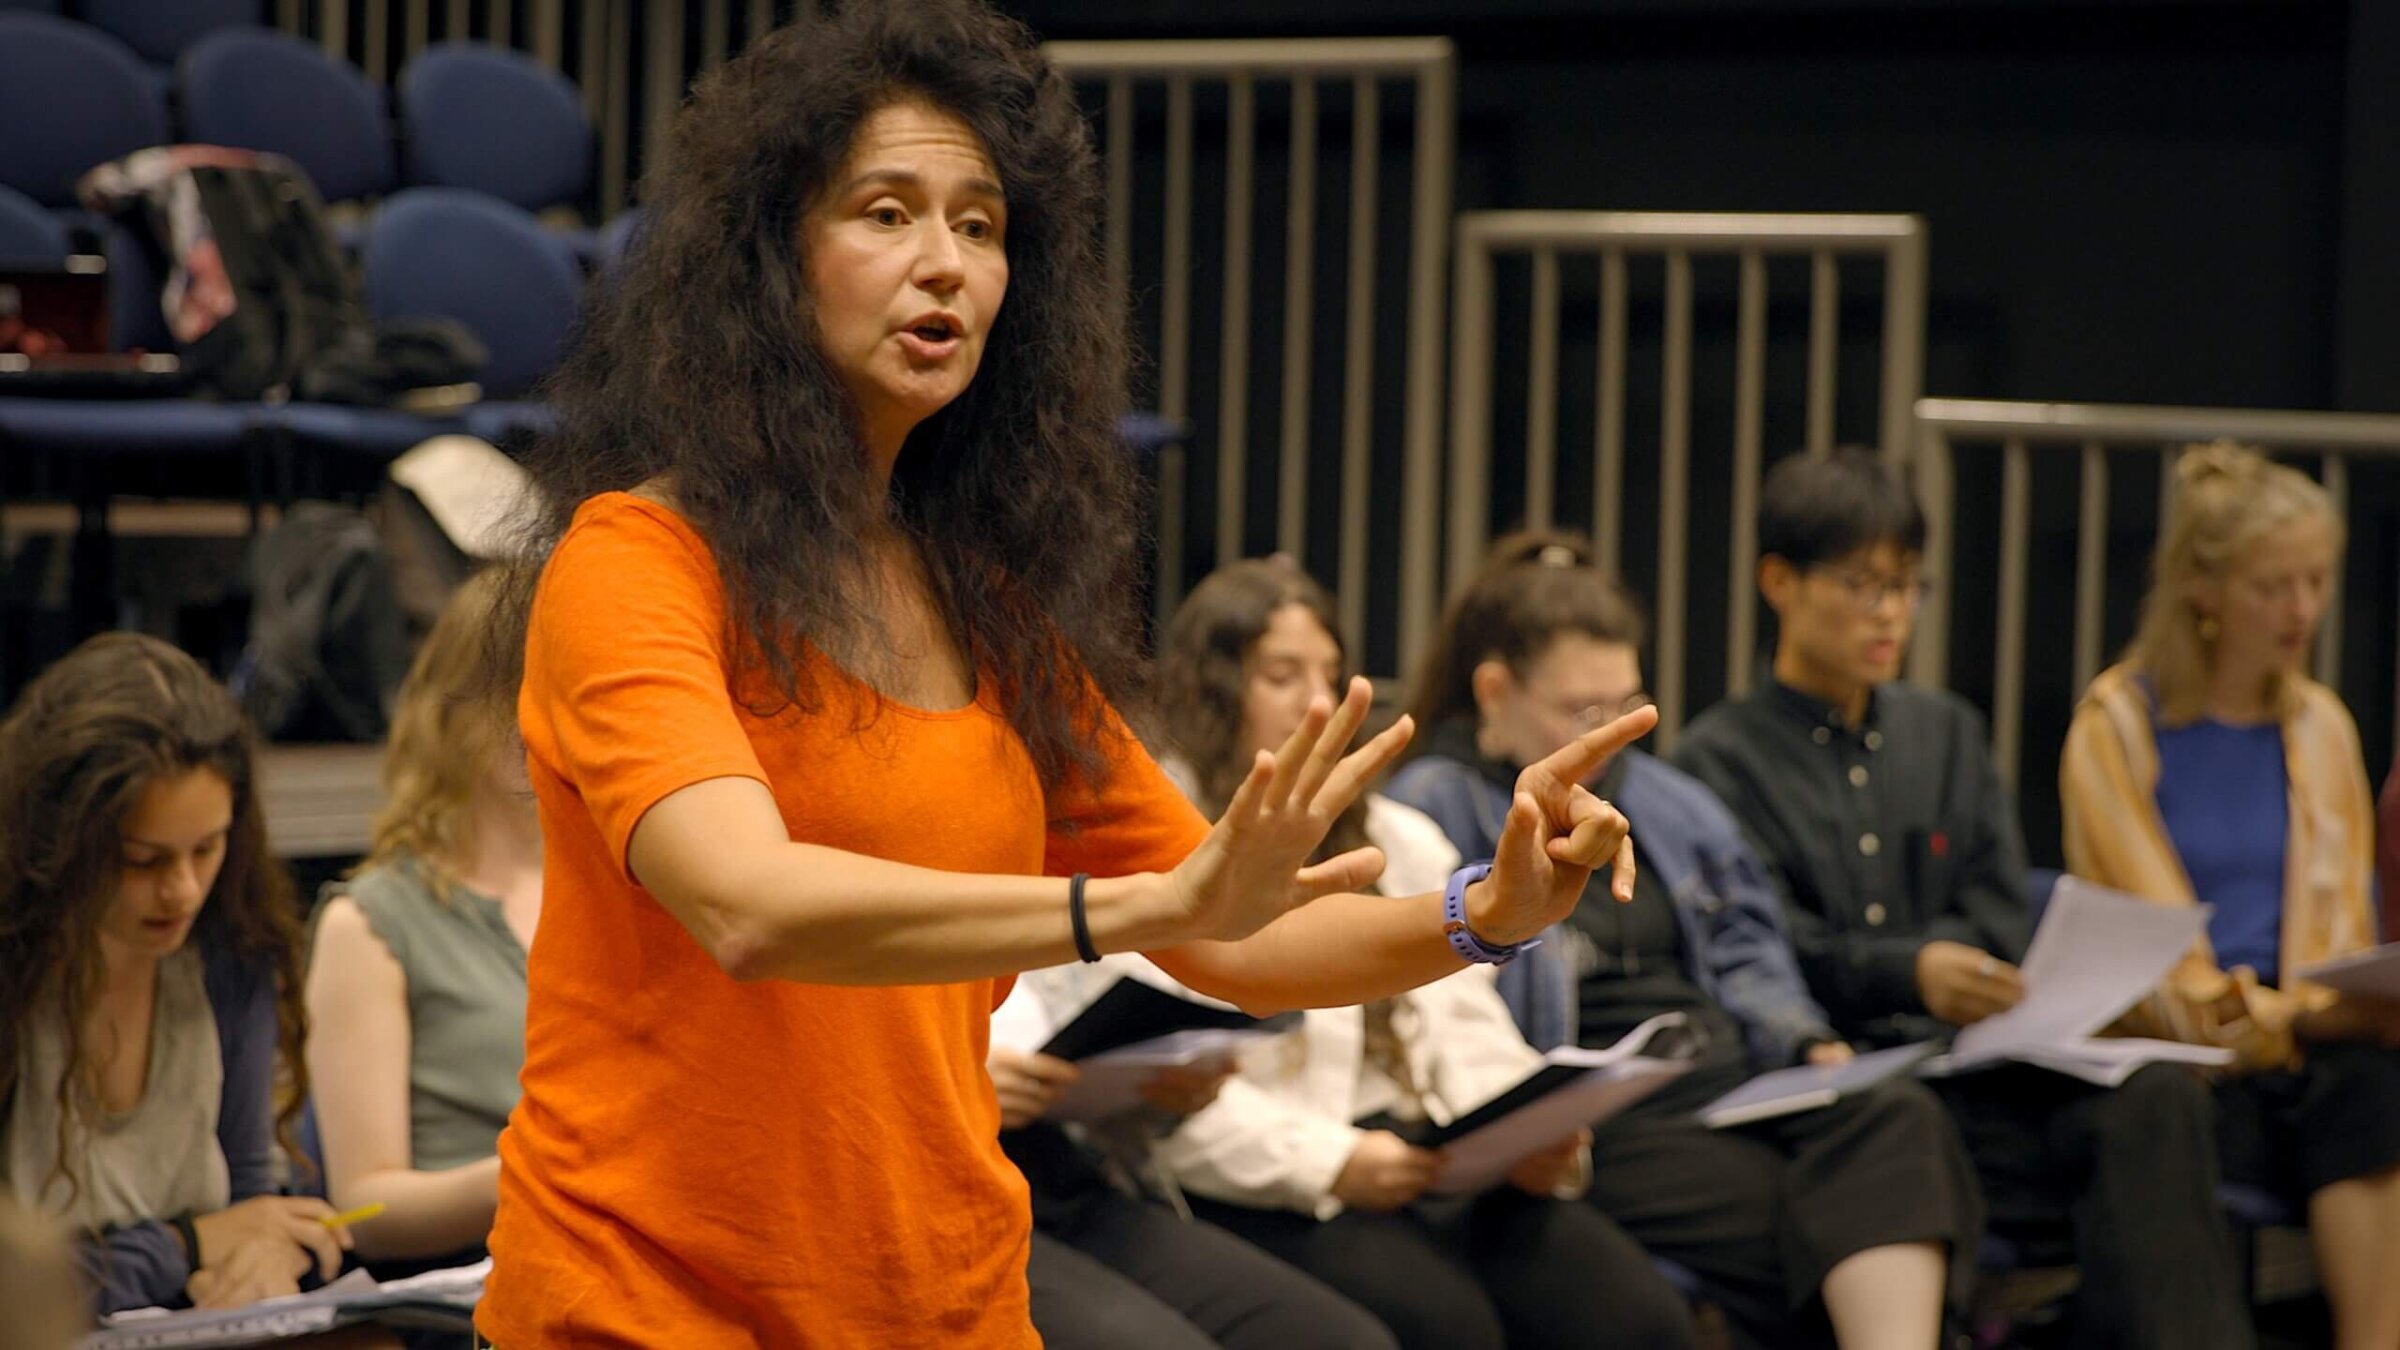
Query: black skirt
(2335, 1118)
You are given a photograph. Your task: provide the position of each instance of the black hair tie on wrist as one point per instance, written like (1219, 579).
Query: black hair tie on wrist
(182, 1224)
(1083, 923)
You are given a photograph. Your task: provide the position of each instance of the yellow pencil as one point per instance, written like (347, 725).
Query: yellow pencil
(350, 1216)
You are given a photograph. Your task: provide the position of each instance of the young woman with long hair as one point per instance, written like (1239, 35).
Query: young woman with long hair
(824, 616)
(416, 974)
(150, 1018)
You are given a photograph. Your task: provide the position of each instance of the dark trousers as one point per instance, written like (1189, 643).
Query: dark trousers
(1137, 1276)
(2128, 1177)
(1109, 1271)
(1761, 1213)
(1505, 1271)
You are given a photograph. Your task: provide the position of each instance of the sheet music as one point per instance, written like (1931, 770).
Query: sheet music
(2097, 953)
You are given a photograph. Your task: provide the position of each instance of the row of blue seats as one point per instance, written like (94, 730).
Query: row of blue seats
(472, 116)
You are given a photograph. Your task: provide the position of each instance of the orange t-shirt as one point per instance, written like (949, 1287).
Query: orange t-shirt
(701, 1163)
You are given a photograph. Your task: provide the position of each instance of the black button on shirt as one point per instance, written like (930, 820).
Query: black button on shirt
(1881, 837)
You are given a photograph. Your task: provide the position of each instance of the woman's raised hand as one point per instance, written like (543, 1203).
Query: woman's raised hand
(1253, 867)
(1556, 835)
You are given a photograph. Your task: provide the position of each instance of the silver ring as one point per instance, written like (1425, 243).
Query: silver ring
(1990, 966)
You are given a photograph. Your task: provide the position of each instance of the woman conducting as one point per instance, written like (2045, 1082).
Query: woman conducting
(823, 621)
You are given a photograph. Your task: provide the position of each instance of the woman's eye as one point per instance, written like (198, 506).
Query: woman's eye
(885, 215)
(977, 229)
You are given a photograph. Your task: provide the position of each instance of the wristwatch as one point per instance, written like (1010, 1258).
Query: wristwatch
(1470, 948)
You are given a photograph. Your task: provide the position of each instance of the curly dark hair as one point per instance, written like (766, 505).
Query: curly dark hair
(699, 364)
(86, 737)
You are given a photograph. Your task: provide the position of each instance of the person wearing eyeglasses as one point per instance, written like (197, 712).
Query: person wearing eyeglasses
(1855, 1224)
(1879, 814)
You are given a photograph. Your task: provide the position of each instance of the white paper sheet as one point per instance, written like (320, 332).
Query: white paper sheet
(2373, 973)
(353, 1297)
(1111, 1083)
(2097, 953)
(1809, 1086)
(1613, 1079)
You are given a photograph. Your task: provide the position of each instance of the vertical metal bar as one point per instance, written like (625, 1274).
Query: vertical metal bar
(592, 77)
(1429, 245)
(2008, 675)
(1929, 655)
(1903, 341)
(1824, 340)
(1358, 359)
(1175, 300)
(1541, 395)
(1674, 496)
(288, 16)
(1233, 338)
(662, 78)
(416, 21)
(503, 23)
(1173, 487)
(1120, 187)
(1608, 433)
(1470, 421)
(616, 122)
(458, 28)
(716, 36)
(762, 21)
(1174, 342)
(2091, 564)
(333, 28)
(376, 55)
(549, 24)
(1299, 307)
(2329, 629)
(1749, 462)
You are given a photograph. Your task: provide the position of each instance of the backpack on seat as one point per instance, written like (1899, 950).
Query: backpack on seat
(257, 294)
(328, 642)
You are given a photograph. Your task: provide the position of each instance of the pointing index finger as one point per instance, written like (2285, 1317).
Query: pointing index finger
(1578, 759)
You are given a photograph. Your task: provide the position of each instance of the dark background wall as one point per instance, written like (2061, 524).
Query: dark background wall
(2149, 201)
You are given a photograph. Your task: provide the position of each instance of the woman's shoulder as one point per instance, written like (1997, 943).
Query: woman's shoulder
(2322, 720)
(613, 525)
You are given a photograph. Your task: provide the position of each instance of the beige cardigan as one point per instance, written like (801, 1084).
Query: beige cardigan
(2108, 790)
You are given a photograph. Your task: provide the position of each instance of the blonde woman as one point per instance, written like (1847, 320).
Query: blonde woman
(416, 982)
(2207, 767)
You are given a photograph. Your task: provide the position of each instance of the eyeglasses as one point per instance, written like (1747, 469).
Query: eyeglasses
(1592, 715)
(1868, 592)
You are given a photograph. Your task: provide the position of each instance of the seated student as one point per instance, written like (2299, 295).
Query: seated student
(1109, 1267)
(1305, 1152)
(1881, 820)
(2209, 768)
(1862, 1215)
(149, 985)
(416, 976)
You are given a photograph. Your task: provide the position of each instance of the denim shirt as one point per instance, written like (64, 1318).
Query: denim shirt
(1734, 944)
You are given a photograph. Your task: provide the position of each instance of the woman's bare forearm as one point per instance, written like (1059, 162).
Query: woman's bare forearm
(824, 916)
(426, 1213)
(1330, 953)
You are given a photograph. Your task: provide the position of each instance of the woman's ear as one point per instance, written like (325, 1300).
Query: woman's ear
(1492, 683)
